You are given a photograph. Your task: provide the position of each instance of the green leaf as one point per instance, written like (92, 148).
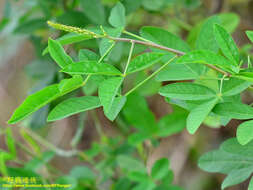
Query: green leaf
(234, 110)
(138, 114)
(82, 173)
(153, 5)
(144, 61)
(160, 169)
(137, 138)
(234, 86)
(106, 44)
(227, 44)
(63, 180)
(147, 185)
(244, 132)
(3, 168)
(131, 6)
(232, 146)
(87, 55)
(34, 102)
(165, 38)
(73, 106)
(247, 76)
(250, 35)
(10, 142)
(138, 176)
(70, 38)
(58, 54)
(198, 115)
(92, 86)
(205, 80)
(149, 88)
(208, 57)
(187, 91)
(91, 67)
(236, 177)
(68, 85)
(116, 107)
(206, 40)
(232, 159)
(123, 183)
(39, 99)
(251, 184)
(172, 123)
(107, 91)
(130, 164)
(176, 71)
(222, 162)
(73, 18)
(94, 10)
(229, 21)
(117, 16)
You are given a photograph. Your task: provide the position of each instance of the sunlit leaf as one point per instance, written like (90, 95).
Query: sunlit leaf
(227, 44)
(117, 16)
(58, 54)
(206, 40)
(91, 67)
(163, 37)
(198, 115)
(208, 57)
(187, 91)
(234, 110)
(116, 107)
(73, 106)
(144, 61)
(244, 132)
(107, 91)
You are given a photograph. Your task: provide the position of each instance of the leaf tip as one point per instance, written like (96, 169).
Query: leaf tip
(12, 121)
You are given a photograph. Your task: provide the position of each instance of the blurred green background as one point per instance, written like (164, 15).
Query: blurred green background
(23, 70)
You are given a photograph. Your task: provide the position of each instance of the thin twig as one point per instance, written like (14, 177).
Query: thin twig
(151, 44)
(149, 77)
(129, 57)
(146, 43)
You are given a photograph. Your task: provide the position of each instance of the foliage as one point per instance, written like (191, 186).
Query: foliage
(208, 74)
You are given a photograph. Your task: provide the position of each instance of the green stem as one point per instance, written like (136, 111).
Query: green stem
(129, 58)
(135, 36)
(221, 83)
(149, 77)
(106, 53)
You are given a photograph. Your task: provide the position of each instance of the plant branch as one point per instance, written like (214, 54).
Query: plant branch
(144, 42)
(150, 44)
(135, 36)
(129, 57)
(219, 70)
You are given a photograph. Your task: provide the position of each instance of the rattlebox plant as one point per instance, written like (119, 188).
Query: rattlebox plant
(200, 78)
